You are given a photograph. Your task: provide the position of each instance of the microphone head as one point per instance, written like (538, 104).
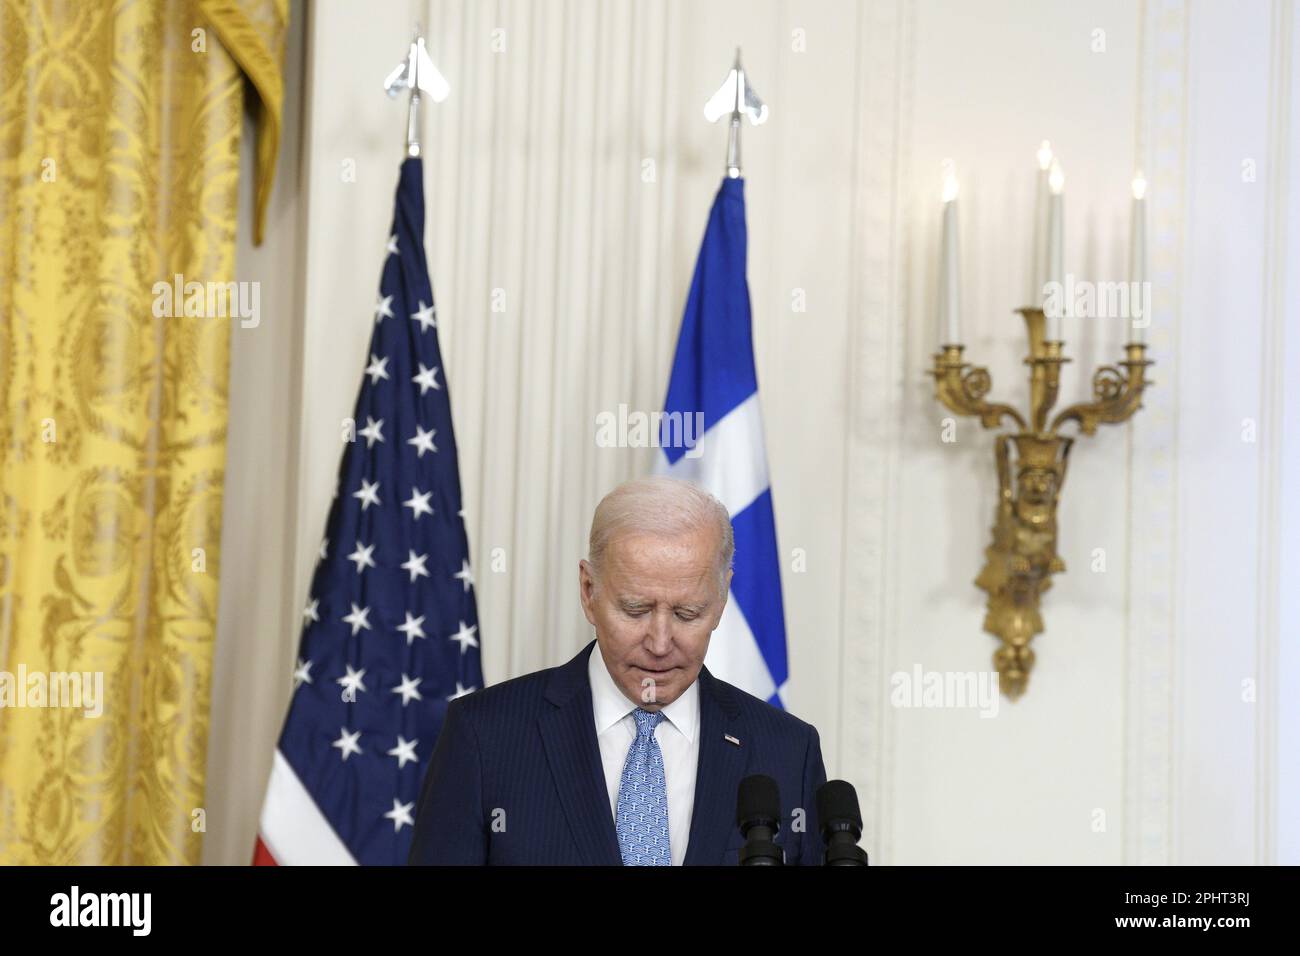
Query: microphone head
(837, 808)
(758, 803)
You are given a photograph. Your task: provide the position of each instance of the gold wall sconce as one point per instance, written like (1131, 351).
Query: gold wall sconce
(1031, 464)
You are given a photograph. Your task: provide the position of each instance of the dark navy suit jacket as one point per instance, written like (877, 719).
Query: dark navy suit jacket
(516, 776)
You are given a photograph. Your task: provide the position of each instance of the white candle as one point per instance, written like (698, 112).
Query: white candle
(1055, 243)
(1137, 262)
(949, 270)
(1038, 262)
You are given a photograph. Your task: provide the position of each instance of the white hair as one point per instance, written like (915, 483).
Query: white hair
(660, 506)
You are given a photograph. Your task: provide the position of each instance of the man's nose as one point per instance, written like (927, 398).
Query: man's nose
(659, 634)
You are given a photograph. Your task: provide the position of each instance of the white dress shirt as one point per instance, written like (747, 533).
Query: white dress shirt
(678, 736)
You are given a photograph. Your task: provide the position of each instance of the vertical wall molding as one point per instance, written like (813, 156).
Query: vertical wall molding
(1272, 417)
(876, 375)
(1150, 718)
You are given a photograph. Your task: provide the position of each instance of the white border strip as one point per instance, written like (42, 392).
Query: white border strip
(293, 828)
(731, 463)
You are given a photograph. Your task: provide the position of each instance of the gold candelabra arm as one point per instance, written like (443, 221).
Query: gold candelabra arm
(962, 388)
(1044, 361)
(1044, 382)
(1116, 394)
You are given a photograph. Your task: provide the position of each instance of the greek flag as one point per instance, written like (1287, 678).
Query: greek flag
(713, 375)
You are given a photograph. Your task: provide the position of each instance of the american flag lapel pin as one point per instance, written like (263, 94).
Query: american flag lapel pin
(731, 740)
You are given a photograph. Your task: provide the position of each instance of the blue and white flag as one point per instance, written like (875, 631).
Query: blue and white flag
(713, 376)
(390, 630)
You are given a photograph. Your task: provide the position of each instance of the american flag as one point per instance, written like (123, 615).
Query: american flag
(390, 630)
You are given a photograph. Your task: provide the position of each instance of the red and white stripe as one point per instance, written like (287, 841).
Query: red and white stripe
(293, 831)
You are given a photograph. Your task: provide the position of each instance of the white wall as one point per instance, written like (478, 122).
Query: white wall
(1134, 716)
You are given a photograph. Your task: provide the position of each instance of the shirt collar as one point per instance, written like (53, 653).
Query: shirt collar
(610, 705)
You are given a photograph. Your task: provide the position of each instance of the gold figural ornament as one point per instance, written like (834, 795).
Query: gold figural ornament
(1022, 558)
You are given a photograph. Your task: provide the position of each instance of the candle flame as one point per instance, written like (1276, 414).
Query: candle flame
(1056, 179)
(1139, 185)
(949, 180)
(1044, 155)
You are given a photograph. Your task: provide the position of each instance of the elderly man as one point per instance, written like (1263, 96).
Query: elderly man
(632, 752)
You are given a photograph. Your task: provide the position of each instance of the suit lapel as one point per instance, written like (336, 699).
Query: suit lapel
(721, 768)
(569, 736)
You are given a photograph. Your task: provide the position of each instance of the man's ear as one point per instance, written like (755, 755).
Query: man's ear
(587, 590)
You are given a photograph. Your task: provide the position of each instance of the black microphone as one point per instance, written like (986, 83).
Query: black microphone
(841, 823)
(758, 814)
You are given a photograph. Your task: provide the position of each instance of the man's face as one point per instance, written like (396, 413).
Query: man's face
(654, 607)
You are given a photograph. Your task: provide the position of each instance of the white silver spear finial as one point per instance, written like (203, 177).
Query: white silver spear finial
(735, 98)
(417, 74)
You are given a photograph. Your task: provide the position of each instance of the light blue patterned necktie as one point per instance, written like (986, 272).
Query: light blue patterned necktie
(642, 818)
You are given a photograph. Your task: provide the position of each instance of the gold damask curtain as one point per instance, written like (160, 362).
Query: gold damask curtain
(119, 164)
